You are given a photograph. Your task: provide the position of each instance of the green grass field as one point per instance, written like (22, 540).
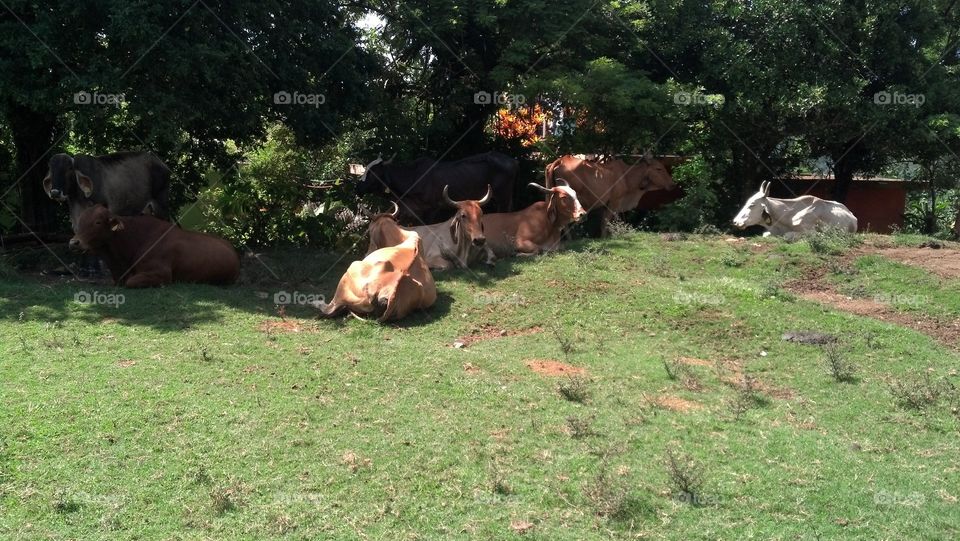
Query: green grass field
(194, 412)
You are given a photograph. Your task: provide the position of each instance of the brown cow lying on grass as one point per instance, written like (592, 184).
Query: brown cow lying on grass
(143, 251)
(535, 229)
(389, 282)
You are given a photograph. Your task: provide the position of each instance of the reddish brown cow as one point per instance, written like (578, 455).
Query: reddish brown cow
(535, 229)
(143, 251)
(610, 184)
(391, 281)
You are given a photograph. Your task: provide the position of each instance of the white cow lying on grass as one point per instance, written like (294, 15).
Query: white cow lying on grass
(791, 217)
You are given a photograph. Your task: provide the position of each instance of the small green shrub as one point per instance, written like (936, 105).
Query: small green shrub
(839, 367)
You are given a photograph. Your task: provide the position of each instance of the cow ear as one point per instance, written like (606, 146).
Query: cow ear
(648, 156)
(47, 184)
(552, 208)
(765, 214)
(115, 224)
(453, 230)
(85, 184)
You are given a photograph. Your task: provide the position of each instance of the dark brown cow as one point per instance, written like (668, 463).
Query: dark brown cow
(535, 229)
(610, 184)
(143, 251)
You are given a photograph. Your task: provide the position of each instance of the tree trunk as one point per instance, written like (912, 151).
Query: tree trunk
(930, 220)
(33, 135)
(842, 179)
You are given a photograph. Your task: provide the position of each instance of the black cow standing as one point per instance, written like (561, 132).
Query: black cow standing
(417, 187)
(127, 183)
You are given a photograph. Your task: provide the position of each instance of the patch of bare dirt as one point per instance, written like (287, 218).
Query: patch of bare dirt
(695, 362)
(944, 262)
(549, 367)
(489, 332)
(945, 332)
(126, 363)
(675, 403)
(731, 373)
(283, 326)
(814, 286)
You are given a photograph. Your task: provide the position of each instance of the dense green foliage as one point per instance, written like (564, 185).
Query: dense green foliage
(751, 90)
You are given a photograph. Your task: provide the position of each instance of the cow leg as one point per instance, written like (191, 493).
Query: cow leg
(151, 278)
(605, 218)
(527, 248)
(89, 266)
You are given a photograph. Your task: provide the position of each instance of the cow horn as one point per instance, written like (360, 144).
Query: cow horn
(539, 187)
(487, 197)
(446, 196)
(396, 209)
(561, 182)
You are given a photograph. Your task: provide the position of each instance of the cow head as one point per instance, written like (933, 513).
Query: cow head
(95, 227)
(656, 174)
(62, 175)
(466, 226)
(755, 210)
(563, 206)
(374, 178)
(383, 229)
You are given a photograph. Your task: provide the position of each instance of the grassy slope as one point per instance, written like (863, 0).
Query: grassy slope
(356, 430)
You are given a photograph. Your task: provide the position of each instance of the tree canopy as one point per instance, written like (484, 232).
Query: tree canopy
(749, 89)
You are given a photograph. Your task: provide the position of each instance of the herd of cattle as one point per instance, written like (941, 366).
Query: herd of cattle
(445, 214)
